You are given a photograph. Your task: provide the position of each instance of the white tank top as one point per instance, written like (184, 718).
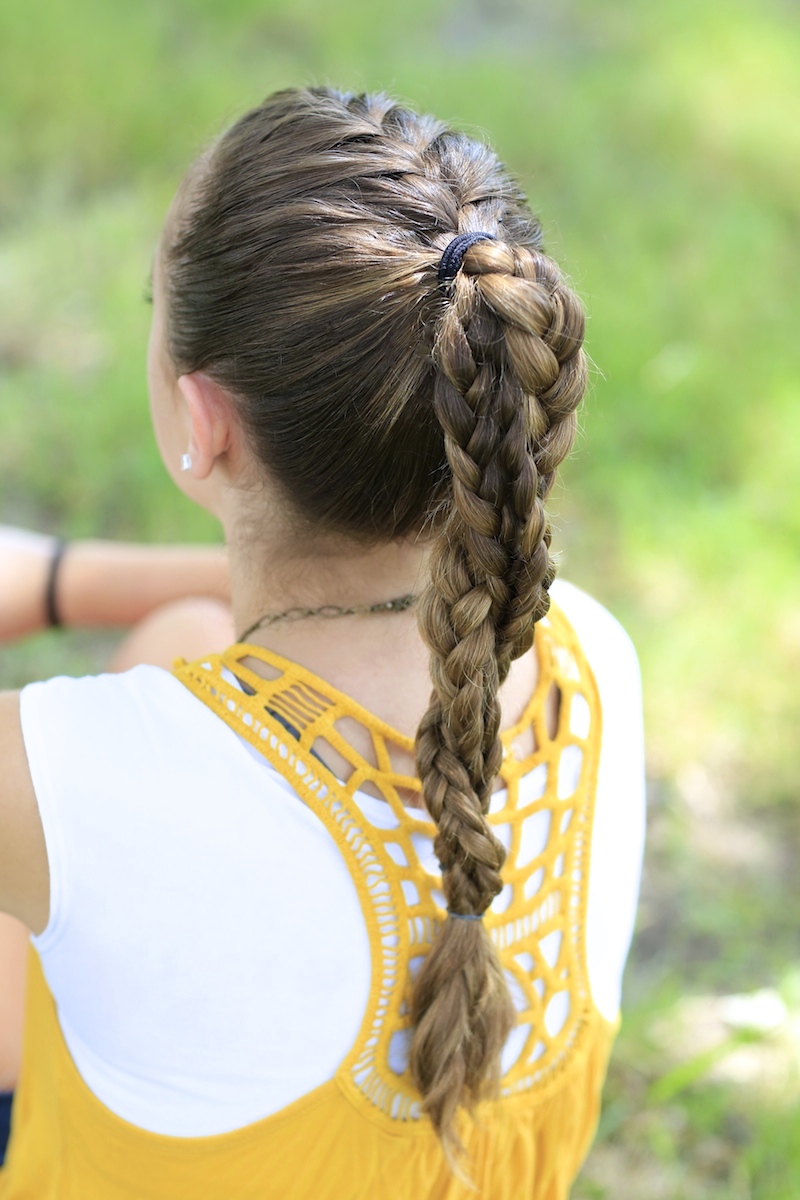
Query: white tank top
(206, 946)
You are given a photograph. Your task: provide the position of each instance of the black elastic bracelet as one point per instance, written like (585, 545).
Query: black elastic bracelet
(50, 604)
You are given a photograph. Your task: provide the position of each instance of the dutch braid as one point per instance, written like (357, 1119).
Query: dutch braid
(511, 374)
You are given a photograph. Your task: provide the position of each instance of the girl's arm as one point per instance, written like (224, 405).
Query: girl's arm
(24, 871)
(13, 953)
(100, 583)
(24, 884)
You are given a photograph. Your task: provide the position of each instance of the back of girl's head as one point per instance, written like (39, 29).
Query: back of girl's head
(302, 275)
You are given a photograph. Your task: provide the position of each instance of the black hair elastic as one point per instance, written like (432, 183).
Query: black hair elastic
(453, 256)
(50, 595)
(465, 916)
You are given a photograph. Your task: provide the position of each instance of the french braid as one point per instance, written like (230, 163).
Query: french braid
(510, 375)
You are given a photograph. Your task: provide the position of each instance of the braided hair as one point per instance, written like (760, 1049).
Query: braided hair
(510, 377)
(301, 274)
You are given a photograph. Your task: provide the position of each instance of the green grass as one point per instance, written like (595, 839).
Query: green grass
(660, 144)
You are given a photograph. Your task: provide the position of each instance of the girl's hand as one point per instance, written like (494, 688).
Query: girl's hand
(24, 566)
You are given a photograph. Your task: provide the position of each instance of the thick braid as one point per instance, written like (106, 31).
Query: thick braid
(510, 376)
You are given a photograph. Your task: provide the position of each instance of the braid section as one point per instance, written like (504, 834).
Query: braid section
(510, 375)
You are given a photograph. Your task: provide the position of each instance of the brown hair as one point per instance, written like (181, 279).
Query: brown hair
(302, 276)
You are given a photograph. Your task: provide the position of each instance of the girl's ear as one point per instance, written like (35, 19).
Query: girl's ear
(209, 419)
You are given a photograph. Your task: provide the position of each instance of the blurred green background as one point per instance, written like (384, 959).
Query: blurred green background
(660, 143)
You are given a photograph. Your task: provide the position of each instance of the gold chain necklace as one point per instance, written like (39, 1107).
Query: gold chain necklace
(399, 604)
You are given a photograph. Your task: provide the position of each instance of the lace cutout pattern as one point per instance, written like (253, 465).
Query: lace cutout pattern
(543, 816)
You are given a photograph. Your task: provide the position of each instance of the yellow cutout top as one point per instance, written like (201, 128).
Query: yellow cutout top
(361, 1135)
(544, 818)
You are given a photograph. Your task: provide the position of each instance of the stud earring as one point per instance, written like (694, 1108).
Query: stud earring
(186, 462)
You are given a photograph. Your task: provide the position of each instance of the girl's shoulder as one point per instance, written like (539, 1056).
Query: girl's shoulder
(118, 761)
(600, 633)
(608, 649)
(620, 807)
(613, 660)
(103, 710)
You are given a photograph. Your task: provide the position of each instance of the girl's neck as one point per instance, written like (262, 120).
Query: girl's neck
(380, 660)
(278, 579)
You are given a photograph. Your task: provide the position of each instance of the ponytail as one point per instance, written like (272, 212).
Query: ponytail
(510, 375)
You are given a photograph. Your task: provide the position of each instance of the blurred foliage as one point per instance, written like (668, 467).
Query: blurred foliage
(661, 146)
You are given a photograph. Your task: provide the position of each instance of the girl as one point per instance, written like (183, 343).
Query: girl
(303, 926)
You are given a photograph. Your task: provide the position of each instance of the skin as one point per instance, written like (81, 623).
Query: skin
(379, 660)
(101, 583)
